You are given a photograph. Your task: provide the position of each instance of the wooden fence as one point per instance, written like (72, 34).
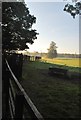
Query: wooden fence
(31, 58)
(17, 103)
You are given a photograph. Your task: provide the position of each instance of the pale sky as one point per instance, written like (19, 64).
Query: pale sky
(53, 24)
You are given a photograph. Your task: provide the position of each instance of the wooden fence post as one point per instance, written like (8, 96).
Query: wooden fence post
(5, 101)
(19, 100)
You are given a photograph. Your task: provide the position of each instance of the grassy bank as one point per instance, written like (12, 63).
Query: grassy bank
(54, 97)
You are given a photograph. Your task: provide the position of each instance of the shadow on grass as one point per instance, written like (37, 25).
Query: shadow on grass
(54, 96)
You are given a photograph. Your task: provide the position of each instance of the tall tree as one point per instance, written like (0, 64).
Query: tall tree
(73, 9)
(17, 26)
(52, 52)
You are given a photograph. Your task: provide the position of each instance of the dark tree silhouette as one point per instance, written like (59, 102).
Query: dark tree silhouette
(73, 9)
(52, 52)
(17, 26)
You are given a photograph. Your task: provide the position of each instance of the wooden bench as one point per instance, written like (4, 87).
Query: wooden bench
(57, 71)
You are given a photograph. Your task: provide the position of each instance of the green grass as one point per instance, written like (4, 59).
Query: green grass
(54, 97)
(52, 63)
(74, 62)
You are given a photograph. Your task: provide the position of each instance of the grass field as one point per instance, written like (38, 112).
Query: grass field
(74, 62)
(54, 97)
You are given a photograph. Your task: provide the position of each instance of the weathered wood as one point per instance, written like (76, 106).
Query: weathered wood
(12, 90)
(5, 112)
(35, 114)
(7, 91)
(11, 103)
(16, 62)
(19, 101)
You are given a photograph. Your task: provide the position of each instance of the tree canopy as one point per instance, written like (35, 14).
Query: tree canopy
(73, 9)
(52, 52)
(17, 26)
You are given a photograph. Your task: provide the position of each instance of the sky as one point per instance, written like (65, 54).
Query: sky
(54, 24)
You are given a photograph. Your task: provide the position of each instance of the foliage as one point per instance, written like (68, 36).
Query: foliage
(52, 52)
(17, 26)
(73, 9)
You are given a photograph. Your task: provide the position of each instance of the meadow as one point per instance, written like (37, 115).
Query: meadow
(74, 62)
(54, 97)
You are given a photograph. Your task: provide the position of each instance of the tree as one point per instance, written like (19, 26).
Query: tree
(52, 52)
(17, 26)
(73, 9)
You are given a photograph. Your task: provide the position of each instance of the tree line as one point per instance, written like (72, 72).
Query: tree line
(17, 23)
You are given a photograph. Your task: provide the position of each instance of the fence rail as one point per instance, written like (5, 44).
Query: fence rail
(17, 98)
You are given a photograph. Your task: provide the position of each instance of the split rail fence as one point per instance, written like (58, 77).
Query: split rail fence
(16, 102)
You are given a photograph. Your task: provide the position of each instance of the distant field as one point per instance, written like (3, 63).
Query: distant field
(74, 62)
